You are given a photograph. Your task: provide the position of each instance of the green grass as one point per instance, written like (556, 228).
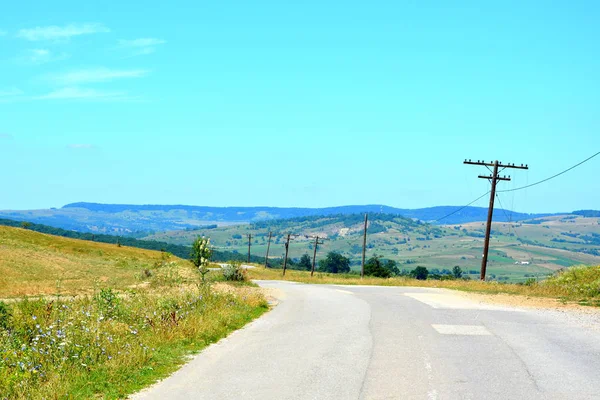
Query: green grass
(106, 341)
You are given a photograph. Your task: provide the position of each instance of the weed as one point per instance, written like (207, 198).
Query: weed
(234, 272)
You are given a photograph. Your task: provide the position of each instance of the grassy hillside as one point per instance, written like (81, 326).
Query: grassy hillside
(137, 316)
(538, 244)
(33, 263)
(181, 251)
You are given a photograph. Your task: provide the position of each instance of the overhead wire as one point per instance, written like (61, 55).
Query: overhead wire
(462, 208)
(552, 177)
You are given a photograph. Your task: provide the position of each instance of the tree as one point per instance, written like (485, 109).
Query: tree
(305, 263)
(393, 267)
(374, 267)
(25, 225)
(457, 272)
(334, 263)
(201, 254)
(420, 273)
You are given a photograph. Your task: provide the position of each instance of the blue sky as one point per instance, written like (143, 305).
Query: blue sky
(313, 103)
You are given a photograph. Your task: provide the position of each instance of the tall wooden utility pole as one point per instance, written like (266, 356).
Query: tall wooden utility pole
(362, 265)
(249, 244)
(268, 247)
(493, 178)
(287, 249)
(317, 243)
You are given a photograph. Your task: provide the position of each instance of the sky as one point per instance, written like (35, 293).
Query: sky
(298, 104)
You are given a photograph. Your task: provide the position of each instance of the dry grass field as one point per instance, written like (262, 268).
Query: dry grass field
(33, 264)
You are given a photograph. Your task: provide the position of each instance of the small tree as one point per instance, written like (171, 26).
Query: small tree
(25, 225)
(201, 254)
(420, 273)
(305, 263)
(457, 272)
(334, 263)
(374, 267)
(393, 267)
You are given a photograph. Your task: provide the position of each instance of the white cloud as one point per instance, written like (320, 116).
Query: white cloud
(40, 56)
(70, 93)
(96, 75)
(81, 146)
(55, 32)
(141, 46)
(10, 92)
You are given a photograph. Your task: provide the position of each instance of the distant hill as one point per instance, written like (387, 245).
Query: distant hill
(125, 219)
(587, 213)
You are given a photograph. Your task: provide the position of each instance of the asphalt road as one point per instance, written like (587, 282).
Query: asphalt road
(357, 342)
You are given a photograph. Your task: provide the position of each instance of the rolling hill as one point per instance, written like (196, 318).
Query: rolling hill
(536, 247)
(126, 219)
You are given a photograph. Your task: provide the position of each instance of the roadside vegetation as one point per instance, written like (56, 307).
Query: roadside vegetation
(107, 338)
(576, 284)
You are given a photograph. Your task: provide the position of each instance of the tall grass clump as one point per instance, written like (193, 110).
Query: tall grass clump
(581, 282)
(111, 344)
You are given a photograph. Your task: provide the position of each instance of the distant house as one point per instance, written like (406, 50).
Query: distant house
(522, 263)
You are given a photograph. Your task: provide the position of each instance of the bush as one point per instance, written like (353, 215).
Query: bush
(374, 267)
(420, 273)
(234, 272)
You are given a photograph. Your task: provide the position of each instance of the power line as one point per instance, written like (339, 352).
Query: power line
(552, 177)
(463, 207)
(509, 218)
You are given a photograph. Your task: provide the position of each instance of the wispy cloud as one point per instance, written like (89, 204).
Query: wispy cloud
(141, 46)
(2, 33)
(5, 136)
(96, 75)
(76, 93)
(81, 146)
(55, 32)
(40, 56)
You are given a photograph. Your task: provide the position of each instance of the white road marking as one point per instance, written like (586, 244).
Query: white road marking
(448, 301)
(467, 330)
(343, 291)
(432, 393)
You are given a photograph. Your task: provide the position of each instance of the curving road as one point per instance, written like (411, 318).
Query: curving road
(367, 342)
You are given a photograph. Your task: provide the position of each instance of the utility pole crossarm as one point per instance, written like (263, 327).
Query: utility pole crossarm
(500, 165)
(498, 178)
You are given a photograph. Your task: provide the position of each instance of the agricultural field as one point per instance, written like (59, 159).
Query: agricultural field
(518, 251)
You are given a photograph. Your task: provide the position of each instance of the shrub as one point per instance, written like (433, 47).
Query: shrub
(234, 272)
(420, 273)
